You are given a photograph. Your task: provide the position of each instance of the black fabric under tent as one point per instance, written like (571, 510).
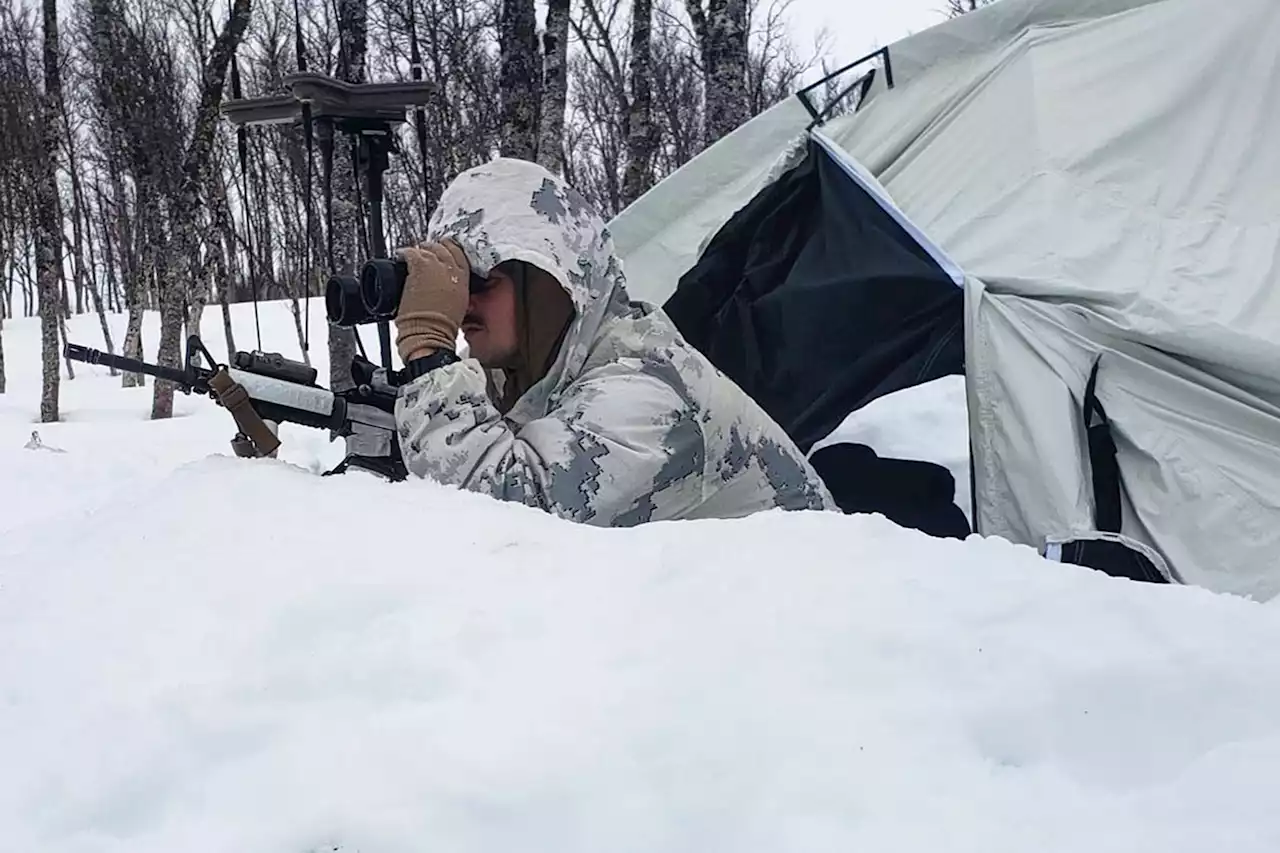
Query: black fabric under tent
(816, 301)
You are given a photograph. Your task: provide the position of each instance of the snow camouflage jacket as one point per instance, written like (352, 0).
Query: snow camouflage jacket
(630, 423)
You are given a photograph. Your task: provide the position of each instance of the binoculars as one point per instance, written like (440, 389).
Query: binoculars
(375, 296)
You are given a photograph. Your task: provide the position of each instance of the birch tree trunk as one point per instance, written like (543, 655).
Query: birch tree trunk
(223, 255)
(24, 271)
(722, 38)
(198, 291)
(222, 273)
(727, 106)
(641, 140)
(48, 218)
(62, 329)
(183, 263)
(172, 287)
(353, 35)
(226, 323)
(136, 255)
(555, 83)
(518, 47)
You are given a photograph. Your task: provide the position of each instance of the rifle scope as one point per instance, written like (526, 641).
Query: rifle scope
(375, 295)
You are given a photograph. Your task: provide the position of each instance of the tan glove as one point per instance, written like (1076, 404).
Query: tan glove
(434, 300)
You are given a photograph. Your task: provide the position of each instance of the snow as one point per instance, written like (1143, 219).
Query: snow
(204, 653)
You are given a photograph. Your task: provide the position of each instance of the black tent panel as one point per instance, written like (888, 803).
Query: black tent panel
(816, 301)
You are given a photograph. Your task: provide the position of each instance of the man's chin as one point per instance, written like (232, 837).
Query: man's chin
(489, 359)
(477, 345)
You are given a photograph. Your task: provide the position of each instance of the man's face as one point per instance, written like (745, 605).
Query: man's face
(490, 323)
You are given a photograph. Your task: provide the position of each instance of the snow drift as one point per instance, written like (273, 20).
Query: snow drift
(202, 653)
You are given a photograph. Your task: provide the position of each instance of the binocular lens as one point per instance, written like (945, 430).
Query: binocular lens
(376, 294)
(342, 301)
(381, 284)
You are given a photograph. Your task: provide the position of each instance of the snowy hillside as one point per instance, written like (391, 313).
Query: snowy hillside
(205, 654)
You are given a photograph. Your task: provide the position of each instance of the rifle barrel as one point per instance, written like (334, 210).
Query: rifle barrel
(88, 355)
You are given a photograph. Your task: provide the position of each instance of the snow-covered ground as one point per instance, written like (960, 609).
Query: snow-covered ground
(203, 653)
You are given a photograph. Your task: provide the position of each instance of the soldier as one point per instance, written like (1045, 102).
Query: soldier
(573, 398)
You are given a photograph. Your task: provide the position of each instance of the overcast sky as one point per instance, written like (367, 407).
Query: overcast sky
(860, 26)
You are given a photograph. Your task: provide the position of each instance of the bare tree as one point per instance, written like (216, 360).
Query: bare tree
(353, 35)
(521, 76)
(555, 83)
(156, 212)
(132, 76)
(189, 202)
(460, 56)
(601, 104)
(82, 232)
(49, 215)
(626, 129)
(20, 142)
(641, 137)
(677, 75)
(224, 270)
(721, 27)
(774, 65)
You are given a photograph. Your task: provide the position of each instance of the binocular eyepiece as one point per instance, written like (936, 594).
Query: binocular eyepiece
(375, 295)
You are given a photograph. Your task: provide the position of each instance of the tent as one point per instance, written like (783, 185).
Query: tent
(1072, 207)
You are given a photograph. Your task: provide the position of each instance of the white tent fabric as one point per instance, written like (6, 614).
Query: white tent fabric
(1107, 172)
(1104, 172)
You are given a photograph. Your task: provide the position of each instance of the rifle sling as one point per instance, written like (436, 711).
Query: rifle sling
(232, 395)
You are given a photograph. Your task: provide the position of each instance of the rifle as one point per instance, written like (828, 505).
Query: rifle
(259, 388)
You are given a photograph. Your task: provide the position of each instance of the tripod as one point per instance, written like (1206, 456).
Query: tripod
(368, 113)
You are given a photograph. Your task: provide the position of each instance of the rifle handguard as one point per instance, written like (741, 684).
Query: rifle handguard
(235, 399)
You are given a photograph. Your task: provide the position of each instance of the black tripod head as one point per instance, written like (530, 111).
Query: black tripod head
(353, 107)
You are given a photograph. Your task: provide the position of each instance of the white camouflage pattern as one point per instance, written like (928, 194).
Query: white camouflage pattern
(630, 425)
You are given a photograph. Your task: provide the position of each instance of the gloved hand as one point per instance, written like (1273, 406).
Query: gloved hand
(434, 300)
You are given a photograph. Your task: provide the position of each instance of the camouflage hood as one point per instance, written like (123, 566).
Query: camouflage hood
(515, 210)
